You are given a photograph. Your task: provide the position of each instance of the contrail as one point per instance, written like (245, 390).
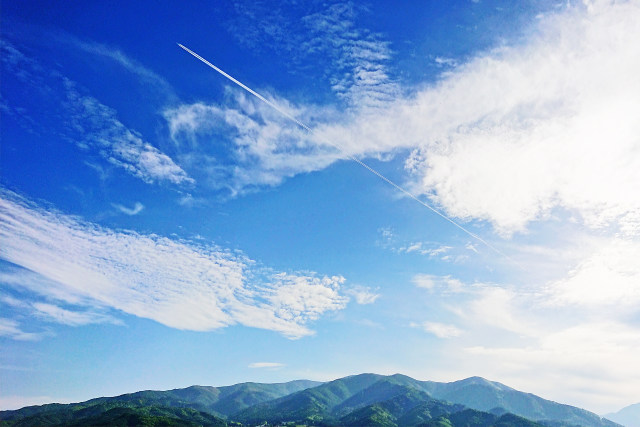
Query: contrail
(349, 156)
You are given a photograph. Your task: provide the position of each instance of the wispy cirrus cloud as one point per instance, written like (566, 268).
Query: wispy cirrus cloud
(363, 294)
(54, 313)
(11, 328)
(84, 121)
(357, 59)
(173, 282)
(95, 127)
(360, 73)
(135, 210)
(116, 55)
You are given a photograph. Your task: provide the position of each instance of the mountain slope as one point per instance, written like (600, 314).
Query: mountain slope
(314, 404)
(368, 400)
(220, 401)
(628, 416)
(101, 415)
(481, 394)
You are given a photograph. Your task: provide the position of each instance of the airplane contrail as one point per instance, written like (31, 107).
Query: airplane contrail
(349, 156)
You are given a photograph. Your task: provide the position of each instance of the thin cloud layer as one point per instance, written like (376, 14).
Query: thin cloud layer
(173, 282)
(268, 365)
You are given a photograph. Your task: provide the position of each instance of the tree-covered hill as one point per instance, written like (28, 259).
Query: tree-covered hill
(358, 400)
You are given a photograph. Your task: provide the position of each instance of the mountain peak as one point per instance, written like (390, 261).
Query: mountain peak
(482, 382)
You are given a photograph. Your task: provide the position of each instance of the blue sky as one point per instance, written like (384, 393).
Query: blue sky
(161, 227)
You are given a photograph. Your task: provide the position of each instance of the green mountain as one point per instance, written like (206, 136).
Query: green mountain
(628, 416)
(370, 400)
(104, 415)
(359, 400)
(219, 401)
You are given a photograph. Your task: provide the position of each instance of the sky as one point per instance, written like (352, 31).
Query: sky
(465, 200)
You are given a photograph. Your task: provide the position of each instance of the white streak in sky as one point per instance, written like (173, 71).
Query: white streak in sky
(351, 157)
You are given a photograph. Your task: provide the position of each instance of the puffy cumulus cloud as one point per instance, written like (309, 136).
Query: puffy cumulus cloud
(173, 282)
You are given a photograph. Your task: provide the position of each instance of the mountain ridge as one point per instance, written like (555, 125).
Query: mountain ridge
(362, 399)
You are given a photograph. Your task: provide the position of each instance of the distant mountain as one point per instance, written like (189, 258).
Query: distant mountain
(628, 416)
(481, 394)
(359, 400)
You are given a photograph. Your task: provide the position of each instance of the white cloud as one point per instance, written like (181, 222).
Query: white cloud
(425, 281)
(554, 123)
(440, 330)
(50, 312)
(135, 210)
(357, 59)
(360, 58)
(579, 330)
(11, 329)
(271, 365)
(57, 314)
(506, 137)
(607, 278)
(441, 283)
(363, 295)
(87, 122)
(176, 283)
(96, 127)
(265, 147)
(119, 57)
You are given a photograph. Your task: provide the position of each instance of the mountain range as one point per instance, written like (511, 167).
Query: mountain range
(358, 400)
